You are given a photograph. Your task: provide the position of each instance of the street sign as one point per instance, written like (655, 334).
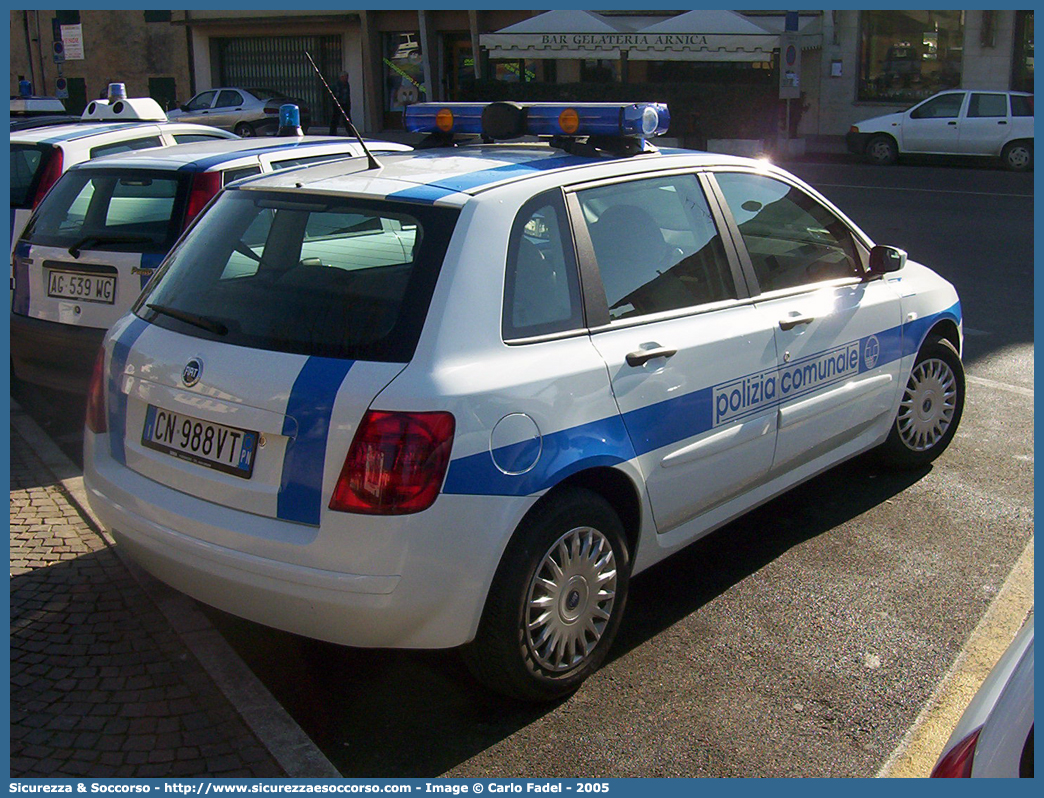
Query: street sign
(789, 66)
(61, 89)
(59, 51)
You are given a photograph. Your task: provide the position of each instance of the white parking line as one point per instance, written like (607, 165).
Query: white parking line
(993, 385)
(927, 190)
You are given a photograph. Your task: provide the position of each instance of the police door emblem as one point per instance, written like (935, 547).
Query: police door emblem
(871, 352)
(193, 370)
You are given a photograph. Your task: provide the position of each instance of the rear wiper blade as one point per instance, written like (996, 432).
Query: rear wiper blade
(74, 250)
(204, 323)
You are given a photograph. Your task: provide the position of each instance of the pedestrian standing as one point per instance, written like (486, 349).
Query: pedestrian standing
(343, 92)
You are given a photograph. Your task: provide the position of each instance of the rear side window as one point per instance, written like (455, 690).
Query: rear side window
(657, 246)
(111, 210)
(192, 138)
(541, 290)
(987, 105)
(126, 146)
(26, 163)
(311, 275)
(244, 171)
(1021, 105)
(791, 238)
(228, 98)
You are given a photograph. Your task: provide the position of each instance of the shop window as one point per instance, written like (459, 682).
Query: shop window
(513, 70)
(403, 71)
(906, 56)
(599, 71)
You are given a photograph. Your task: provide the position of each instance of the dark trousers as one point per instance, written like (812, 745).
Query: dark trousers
(337, 120)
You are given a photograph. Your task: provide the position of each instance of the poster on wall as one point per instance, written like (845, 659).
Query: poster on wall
(72, 38)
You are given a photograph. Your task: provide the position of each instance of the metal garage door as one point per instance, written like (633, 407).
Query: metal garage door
(278, 62)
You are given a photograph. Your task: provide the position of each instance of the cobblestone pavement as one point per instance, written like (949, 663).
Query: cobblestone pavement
(101, 685)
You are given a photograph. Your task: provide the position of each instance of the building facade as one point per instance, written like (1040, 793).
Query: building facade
(852, 65)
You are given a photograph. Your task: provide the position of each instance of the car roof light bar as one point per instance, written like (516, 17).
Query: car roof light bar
(508, 120)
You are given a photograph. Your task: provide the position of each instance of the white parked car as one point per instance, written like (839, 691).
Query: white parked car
(40, 155)
(994, 737)
(460, 399)
(998, 124)
(100, 233)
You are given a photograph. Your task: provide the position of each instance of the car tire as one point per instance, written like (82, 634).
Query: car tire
(556, 600)
(1017, 156)
(931, 407)
(882, 150)
(244, 130)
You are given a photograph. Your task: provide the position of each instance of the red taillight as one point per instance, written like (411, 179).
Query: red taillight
(96, 421)
(395, 464)
(52, 171)
(272, 108)
(204, 186)
(957, 764)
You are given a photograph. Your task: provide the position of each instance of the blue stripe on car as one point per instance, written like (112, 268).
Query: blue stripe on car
(310, 406)
(211, 161)
(606, 442)
(443, 187)
(20, 300)
(87, 132)
(121, 348)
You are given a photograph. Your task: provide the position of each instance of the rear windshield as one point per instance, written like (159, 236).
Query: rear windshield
(308, 274)
(119, 210)
(27, 162)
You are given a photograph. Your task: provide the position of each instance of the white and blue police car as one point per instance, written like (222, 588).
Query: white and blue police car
(95, 240)
(40, 155)
(459, 399)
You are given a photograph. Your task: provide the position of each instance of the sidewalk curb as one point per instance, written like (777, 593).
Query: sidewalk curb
(264, 716)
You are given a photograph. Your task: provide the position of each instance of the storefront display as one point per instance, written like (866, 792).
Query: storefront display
(906, 56)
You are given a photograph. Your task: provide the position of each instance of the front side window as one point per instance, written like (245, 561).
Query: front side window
(308, 274)
(948, 106)
(111, 210)
(657, 246)
(201, 102)
(791, 238)
(987, 105)
(541, 289)
(126, 146)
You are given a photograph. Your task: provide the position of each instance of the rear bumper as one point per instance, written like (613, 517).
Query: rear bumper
(54, 355)
(437, 565)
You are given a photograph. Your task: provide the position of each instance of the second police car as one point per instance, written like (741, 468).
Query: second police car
(95, 240)
(459, 399)
(40, 155)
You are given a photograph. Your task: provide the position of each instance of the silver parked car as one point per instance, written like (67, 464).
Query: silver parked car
(246, 112)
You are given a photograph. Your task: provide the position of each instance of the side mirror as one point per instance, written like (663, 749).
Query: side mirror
(886, 259)
(184, 107)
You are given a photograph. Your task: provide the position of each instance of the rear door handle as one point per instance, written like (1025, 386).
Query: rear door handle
(1002, 122)
(952, 123)
(643, 356)
(791, 322)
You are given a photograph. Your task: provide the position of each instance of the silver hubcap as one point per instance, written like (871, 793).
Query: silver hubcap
(570, 599)
(880, 151)
(928, 405)
(1019, 157)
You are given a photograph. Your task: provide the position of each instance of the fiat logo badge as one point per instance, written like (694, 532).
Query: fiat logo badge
(193, 370)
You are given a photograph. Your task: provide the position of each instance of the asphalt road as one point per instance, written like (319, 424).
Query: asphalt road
(801, 640)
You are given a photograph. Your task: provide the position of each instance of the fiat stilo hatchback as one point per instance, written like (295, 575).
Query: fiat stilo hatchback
(459, 399)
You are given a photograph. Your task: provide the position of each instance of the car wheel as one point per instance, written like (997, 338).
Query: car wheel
(243, 130)
(931, 407)
(1017, 156)
(556, 600)
(882, 150)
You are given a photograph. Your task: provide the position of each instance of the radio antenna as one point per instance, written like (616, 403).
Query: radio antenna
(373, 163)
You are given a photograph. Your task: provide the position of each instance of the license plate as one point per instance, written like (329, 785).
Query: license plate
(82, 286)
(216, 446)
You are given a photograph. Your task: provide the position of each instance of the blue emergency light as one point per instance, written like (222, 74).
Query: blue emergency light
(289, 120)
(507, 120)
